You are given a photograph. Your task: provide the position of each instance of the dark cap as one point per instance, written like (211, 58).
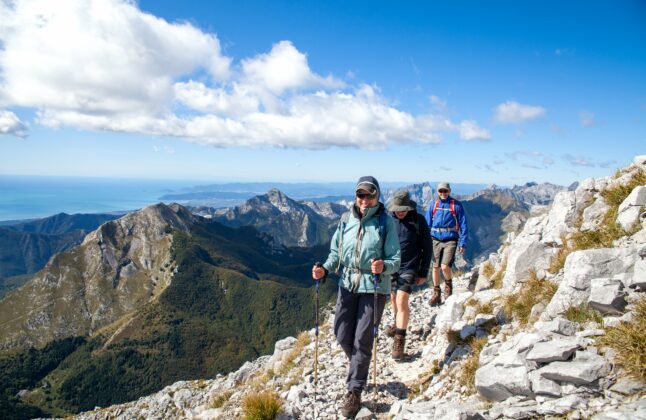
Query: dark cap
(369, 184)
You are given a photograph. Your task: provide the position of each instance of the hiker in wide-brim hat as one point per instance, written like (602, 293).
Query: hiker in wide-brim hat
(416, 252)
(359, 251)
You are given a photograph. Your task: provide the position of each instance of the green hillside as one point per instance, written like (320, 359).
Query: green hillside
(232, 297)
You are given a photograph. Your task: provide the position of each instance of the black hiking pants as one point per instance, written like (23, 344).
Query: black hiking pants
(353, 327)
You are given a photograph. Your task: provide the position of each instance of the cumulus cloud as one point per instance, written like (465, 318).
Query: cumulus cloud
(106, 65)
(512, 112)
(10, 124)
(469, 130)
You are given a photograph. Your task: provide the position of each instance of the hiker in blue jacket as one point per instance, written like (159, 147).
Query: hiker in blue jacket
(361, 250)
(449, 231)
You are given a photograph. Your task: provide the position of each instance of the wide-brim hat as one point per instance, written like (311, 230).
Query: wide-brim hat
(401, 202)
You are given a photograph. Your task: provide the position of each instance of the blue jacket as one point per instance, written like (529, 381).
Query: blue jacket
(443, 225)
(361, 243)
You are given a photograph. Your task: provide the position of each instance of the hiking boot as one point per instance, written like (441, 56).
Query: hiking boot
(448, 288)
(398, 347)
(436, 299)
(390, 330)
(350, 404)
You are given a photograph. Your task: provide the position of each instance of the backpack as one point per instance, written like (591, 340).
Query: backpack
(341, 227)
(451, 208)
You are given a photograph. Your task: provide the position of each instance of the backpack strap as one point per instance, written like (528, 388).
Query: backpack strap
(382, 229)
(435, 206)
(455, 216)
(340, 228)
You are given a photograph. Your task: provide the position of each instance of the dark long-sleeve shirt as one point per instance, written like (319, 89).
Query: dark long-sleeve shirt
(415, 243)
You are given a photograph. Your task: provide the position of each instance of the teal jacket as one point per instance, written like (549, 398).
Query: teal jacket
(360, 244)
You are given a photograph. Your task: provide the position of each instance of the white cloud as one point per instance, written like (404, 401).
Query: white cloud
(469, 130)
(578, 160)
(512, 112)
(105, 65)
(10, 124)
(587, 118)
(98, 56)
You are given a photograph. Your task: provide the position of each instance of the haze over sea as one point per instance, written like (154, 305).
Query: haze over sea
(27, 197)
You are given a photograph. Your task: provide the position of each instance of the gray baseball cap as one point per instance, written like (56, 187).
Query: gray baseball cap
(443, 186)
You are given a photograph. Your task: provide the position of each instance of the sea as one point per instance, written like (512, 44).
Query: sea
(30, 197)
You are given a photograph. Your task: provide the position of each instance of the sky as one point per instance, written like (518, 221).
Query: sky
(501, 92)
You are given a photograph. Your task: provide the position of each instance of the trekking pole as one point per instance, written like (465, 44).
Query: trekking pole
(316, 334)
(375, 280)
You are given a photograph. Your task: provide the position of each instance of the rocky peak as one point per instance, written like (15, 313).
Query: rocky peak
(117, 268)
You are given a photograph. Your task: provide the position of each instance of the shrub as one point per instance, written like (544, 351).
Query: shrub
(582, 314)
(519, 305)
(629, 341)
(467, 375)
(261, 406)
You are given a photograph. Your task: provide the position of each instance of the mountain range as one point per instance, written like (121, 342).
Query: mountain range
(169, 293)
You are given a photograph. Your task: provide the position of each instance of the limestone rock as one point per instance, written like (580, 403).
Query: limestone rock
(560, 218)
(577, 372)
(550, 351)
(593, 215)
(607, 296)
(637, 197)
(580, 268)
(543, 386)
(558, 325)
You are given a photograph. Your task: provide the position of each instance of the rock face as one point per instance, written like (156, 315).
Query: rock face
(118, 267)
(288, 222)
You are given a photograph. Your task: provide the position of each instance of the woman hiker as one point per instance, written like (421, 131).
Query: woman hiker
(416, 253)
(358, 247)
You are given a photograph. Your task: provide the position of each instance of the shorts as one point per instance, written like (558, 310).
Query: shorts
(402, 281)
(444, 252)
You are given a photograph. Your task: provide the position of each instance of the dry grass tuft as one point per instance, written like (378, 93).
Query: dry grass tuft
(487, 269)
(288, 364)
(496, 279)
(629, 341)
(519, 305)
(583, 314)
(610, 230)
(558, 262)
(261, 406)
(220, 399)
(467, 375)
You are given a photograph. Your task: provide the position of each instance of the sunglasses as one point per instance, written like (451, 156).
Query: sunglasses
(361, 196)
(442, 191)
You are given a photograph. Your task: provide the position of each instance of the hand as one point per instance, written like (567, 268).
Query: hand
(376, 266)
(318, 272)
(461, 250)
(420, 280)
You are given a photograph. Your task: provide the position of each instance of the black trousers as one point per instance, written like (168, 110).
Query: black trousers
(353, 327)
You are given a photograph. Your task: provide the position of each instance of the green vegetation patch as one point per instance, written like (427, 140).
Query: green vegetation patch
(582, 314)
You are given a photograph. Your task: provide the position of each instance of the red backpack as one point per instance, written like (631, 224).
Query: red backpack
(451, 208)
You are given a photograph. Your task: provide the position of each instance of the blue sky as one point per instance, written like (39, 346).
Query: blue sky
(483, 92)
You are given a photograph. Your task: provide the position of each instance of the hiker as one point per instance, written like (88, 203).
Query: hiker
(358, 246)
(416, 253)
(449, 231)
